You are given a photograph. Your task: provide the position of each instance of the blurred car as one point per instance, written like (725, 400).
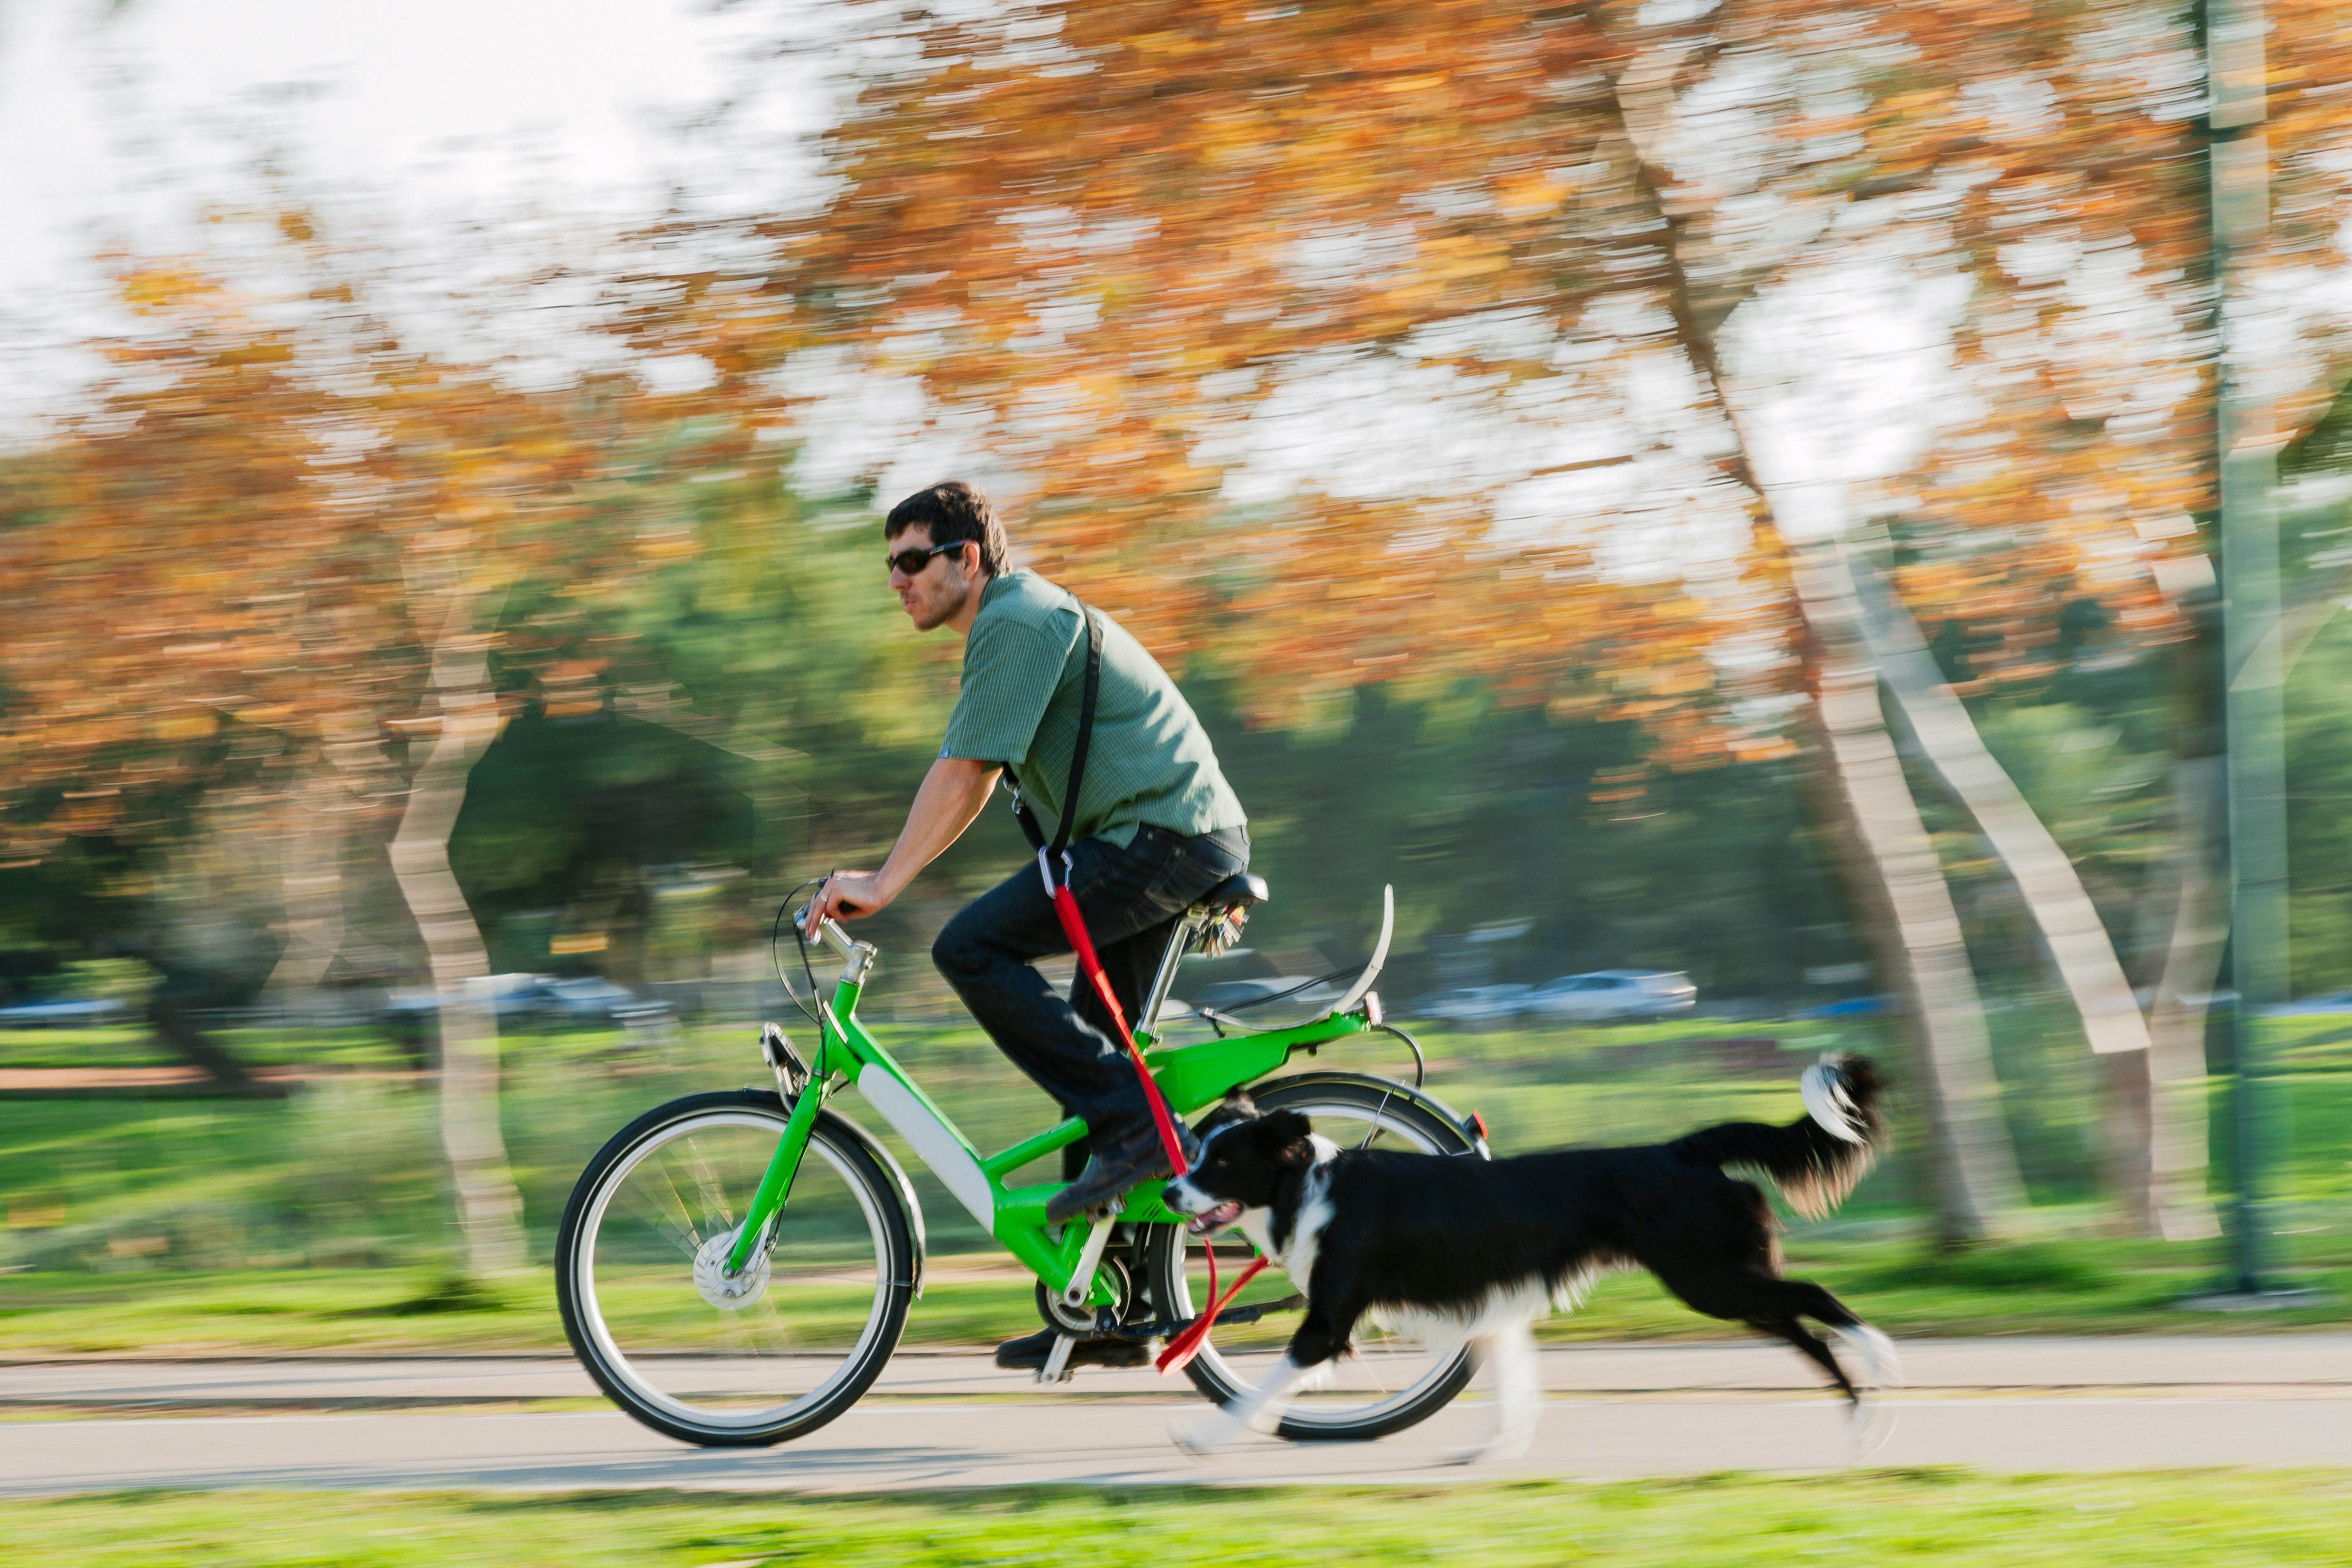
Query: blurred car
(1851, 1007)
(1474, 1004)
(579, 1001)
(1230, 995)
(61, 1015)
(2330, 1003)
(1615, 994)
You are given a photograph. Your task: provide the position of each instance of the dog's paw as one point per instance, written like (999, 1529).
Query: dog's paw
(1207, 1438)
(1869, 1425)
(1882, 1365)
(1500, 1450)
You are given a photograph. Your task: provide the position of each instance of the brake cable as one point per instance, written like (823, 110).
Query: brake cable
(776, 953)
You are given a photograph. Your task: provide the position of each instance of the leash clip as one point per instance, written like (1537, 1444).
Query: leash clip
(1045, 870)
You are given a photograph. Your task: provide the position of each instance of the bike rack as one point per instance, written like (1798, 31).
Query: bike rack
(1380, 956)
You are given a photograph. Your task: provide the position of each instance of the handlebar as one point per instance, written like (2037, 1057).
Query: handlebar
(858, 955)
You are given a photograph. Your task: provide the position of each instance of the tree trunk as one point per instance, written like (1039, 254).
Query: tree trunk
(170, 1013)
(169, 1016)
(2156, 1125)
(312, 875)
(489, 1208)
(1906, 908)
(1890, 867)
(2177, 1202)
(2077, 938)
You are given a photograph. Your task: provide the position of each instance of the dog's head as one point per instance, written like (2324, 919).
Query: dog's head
(1244, 1159)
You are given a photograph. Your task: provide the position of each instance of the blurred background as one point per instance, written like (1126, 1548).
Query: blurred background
(1723, 505)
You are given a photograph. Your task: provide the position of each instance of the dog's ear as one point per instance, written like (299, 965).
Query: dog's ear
(1290, 1136)
(1234, 1108)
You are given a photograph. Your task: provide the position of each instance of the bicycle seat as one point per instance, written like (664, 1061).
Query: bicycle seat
(1235, 893)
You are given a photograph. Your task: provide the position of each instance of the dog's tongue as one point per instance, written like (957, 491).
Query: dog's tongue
(1224, 1214)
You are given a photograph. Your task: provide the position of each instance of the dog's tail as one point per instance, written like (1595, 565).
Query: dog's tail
(1816, 1160)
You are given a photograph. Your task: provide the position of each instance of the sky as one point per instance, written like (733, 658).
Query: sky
(118, 125)
(449, 118)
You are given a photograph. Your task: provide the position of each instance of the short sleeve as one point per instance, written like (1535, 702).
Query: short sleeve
(1010, 670)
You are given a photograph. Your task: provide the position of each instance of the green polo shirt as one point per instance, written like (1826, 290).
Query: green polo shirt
(1024, 677)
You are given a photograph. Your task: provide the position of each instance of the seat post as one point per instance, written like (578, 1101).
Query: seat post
(1187, 926)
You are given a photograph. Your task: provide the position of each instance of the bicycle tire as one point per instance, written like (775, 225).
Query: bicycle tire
(837, 1149)
(1430, 1124)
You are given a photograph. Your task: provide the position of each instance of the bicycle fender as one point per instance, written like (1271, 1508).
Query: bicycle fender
(1404, 1091)
(876, 1147)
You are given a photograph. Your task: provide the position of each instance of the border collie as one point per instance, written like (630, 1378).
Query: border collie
(1452, 1250)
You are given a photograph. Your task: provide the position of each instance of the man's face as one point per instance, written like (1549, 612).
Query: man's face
(933, 595)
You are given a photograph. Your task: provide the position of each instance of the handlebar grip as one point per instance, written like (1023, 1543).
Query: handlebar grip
(800, 915)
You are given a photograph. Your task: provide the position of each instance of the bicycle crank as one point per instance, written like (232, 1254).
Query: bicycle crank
(1083, 1320)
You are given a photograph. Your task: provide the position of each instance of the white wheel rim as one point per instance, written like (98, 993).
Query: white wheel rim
(618, 1362)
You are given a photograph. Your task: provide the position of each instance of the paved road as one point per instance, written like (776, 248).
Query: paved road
(955, 1421)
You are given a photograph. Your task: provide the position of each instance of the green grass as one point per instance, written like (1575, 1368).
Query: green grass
(2196, 1520)
(2097, 1287)
(186, 1225)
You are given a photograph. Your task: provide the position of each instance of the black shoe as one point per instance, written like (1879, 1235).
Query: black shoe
(1029, 1352)
(1123, 1163)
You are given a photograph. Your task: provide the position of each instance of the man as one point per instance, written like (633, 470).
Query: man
(1156, 826)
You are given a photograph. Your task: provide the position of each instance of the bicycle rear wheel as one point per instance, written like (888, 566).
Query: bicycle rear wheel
(771, 1354)
(1390, 1382)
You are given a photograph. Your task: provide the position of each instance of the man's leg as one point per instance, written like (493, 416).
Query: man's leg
(1131, 908)
(988, 954)
(1130, 964)
(1130, 958)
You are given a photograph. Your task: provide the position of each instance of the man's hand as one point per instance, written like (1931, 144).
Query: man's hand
(952, 794)
(846, 895)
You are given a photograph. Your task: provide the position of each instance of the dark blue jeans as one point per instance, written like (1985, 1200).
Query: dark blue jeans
(1131, 899)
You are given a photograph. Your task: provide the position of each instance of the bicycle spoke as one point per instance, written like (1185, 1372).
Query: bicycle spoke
(681, 1236)
(769, 1323)
(825, 1277)
(714, 1195)
(679, 1198)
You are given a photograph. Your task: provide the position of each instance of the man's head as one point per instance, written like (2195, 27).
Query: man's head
(956, 525)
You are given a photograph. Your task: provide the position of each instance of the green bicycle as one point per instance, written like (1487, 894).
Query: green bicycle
(736, 1267)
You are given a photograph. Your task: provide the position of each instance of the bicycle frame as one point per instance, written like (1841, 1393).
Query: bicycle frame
(1190, 1076)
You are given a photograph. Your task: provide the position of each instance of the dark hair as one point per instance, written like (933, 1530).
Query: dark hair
(954, 511)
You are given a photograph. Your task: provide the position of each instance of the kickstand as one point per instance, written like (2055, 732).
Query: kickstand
(1058, 1362)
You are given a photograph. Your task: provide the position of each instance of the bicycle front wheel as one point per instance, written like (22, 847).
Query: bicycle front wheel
(773, 1354)
(1390, 1381)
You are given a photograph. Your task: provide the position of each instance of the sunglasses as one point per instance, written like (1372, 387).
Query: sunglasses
(910, 561)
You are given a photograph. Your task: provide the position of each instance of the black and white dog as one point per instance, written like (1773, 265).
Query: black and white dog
(1468, 1251)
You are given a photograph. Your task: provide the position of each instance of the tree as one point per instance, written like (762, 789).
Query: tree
(283, 516)
(2086, 474)
(1118, 236)
(1891, 869)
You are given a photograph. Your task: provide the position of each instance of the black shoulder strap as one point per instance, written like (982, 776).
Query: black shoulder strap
(1086, 734)
(1078, 750)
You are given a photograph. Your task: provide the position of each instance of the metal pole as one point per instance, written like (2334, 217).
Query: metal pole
(2239, 175)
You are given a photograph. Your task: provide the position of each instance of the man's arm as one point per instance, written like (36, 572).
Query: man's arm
(952, 797)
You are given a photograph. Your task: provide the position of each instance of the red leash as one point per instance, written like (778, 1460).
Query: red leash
(1187, 1344)
(1073, 926)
